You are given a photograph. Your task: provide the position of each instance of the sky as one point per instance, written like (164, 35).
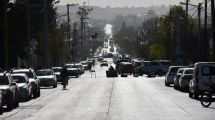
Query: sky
(127, 3)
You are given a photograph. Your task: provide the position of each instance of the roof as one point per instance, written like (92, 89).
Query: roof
(19, 74)
(21, 70)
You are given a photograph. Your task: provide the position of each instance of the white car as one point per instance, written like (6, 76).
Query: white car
(25, 88)
(47, 78)
(57, 71)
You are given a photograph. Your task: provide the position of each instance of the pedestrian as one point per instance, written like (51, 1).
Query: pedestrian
(64, 77)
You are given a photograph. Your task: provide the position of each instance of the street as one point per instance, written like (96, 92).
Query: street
(101, 98)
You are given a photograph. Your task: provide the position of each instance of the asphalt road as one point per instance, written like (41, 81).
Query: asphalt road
(101, 98)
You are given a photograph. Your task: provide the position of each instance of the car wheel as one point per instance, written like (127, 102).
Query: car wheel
(10, 103)
(55, 85)
(167, 84)
(76, 76)
(190, 95)
(159, 73)
(16, 104)
(1, 109)
(38, 93)
(140, 72)
(175, 87)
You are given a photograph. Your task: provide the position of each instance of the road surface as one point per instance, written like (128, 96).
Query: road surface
(101, 98)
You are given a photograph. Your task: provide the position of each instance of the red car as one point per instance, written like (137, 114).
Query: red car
(126, 68)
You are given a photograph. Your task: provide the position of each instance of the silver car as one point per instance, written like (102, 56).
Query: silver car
(169, 79)
(25, 88)
(185, 78)
(47, 78)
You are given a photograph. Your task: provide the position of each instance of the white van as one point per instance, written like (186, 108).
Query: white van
(203, 78)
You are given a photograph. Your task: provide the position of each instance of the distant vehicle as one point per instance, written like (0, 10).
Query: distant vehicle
(185, 78)
(118, 63)
(32, 79)
(176, 79)
(203, 78)
(85, 65)
(126, 68)
(57, 72)
(104, 63)
(72, 70)
(169, 79)
(24, 85)
(1, 103)
(142, 68)
(80, 67)
(100, 59)
(9, 90)
(47, 77)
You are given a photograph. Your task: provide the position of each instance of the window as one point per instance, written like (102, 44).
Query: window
(4, 80)
(208, 71)
(154, 63)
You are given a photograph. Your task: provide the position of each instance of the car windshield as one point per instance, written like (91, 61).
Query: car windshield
(44, 73)
(57, 69)
(19, 79)
(29, 74)
(189, 71)
(4, 80)
(174, 69)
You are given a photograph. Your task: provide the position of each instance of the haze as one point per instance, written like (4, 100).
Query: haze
(124, 3)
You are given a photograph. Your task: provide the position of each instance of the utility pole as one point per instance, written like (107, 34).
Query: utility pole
(5, 37)
(68, 31)
(213, 26)
(187, 5)
(71, 51)
(83, 14)
(205, 32)
(199, 15)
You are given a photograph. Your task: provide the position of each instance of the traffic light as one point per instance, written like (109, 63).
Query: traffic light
(94, 35)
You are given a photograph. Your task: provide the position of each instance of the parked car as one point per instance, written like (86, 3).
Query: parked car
(24, 85)
(72, 70)
(203, 78)
(35, 83)
(9, 90)
(47, 77)
(104, 63)
(57, 72)
(80, 67)
(158, 67)
(141, 69)
(1, 103)
(85, 64)
(100, 59)
(185, 78)
(126, 68)
(176, 78)
(169, 79)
